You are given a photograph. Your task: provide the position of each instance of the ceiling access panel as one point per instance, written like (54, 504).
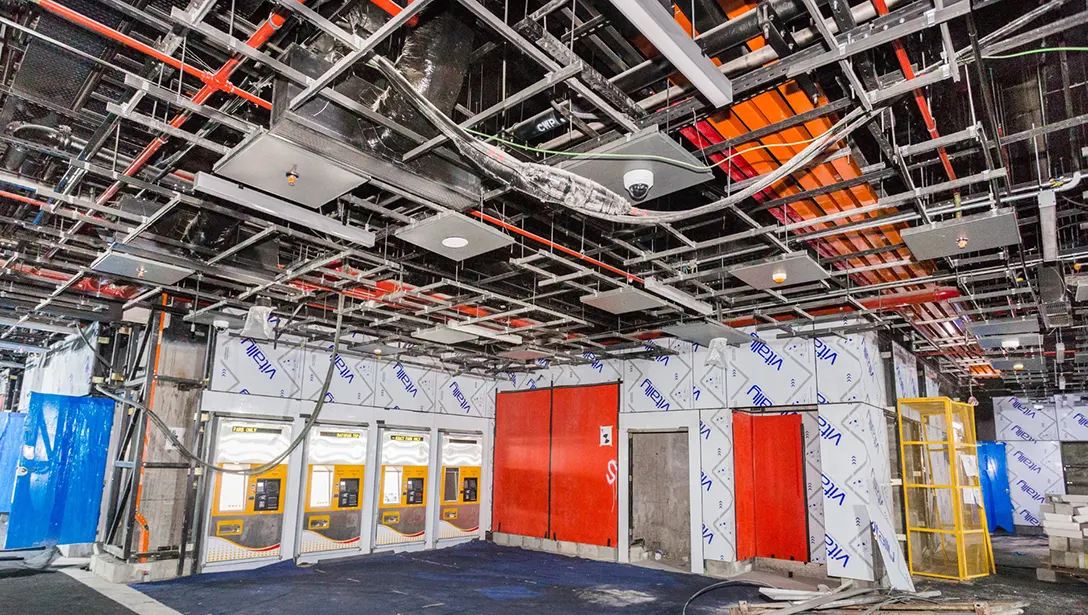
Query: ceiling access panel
(1024, 340)
(1030, 364)
(1004, 326)
(437, 232)
(140, 268)
(623, 300)
(335, 145)
(669, 177)
(702, 333)
(798, 267)
(993, 229)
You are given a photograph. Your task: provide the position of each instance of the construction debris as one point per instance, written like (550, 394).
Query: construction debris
(864, 601)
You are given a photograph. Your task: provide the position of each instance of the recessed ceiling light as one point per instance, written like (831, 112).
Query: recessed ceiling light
(377, 351)
(1012, 342)
(455, 242)
(961, 241)
(778, 277)
(1018, 366)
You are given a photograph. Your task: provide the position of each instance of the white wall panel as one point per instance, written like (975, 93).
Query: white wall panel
(1019, 420)
(243, 365)
(772, 372)
(1072, 417)
(906, 373)
(662, 383)
(1035, 469)
(848, 369)
(407, 387)
(467, 395)
(716, 482)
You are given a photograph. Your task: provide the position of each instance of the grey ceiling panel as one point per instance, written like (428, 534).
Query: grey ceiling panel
(668, 177)
(986, 231)
(1026, 340)
(140, 268)
(702, 332)
(430, 233)
(799, 268)
(623, 300)
(444, 335)
(523, 354)
(265, 161)
(1031, 364)
(1004, 326)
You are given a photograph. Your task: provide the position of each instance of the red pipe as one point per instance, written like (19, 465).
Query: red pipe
(630, 277)
(214, 80)
(392, 8)
(919, 98)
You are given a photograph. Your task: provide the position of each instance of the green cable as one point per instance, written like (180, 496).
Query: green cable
(695, 167)
(1029, 52)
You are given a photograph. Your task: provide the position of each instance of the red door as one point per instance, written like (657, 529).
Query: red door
(520, 494)
(584, 496)
(770, 487)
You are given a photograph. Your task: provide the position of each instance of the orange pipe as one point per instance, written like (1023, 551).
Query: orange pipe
(392, 8)
(94, 26)
(630, 277)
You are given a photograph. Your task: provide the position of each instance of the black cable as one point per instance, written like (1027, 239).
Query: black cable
(158, 422)
(710, 588)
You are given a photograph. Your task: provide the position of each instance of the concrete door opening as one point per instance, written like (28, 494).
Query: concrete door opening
(660, 522)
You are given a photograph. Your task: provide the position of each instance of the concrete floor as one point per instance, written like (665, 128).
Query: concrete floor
(479, 578)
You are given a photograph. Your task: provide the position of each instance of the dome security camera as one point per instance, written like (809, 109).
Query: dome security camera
(221, 324)
(638, 183)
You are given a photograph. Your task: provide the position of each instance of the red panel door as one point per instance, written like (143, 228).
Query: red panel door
(520, 493)
(584, 494)
(770, 487)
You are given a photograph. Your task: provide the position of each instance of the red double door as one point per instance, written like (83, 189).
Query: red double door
(555, 464)
(769, 485)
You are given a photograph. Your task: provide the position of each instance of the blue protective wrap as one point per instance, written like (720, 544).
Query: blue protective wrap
(994, 480)
(11, 444)
(64, 449)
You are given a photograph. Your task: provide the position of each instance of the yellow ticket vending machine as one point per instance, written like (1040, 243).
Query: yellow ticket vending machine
(459, 510)
(246, 519)
(402, 503)
(332, 498)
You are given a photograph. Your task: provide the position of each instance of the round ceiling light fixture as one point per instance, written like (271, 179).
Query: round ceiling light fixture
(1018, 366)
(962, 241)
(1012, 342)
(778, 277)
(455, 242)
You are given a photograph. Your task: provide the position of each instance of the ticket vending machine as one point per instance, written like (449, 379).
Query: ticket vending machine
(333, 489)
(246, 517)
(459, 509)
(402, 493)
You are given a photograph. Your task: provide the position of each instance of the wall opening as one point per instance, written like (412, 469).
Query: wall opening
(660, 522)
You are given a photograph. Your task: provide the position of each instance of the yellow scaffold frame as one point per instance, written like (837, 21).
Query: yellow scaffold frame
(959, 440)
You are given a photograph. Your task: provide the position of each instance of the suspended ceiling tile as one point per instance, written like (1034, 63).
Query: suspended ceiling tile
(799, 268)
(669, 177)
(702, 332)
(623, 300)
(986, 231)
(444, 335)
(1004, 326)
(1031, 364)
(523, 354)
(442, 234)
(140, 268)
(1025, 340)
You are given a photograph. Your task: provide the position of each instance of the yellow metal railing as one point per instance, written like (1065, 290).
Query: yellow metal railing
(945, 517)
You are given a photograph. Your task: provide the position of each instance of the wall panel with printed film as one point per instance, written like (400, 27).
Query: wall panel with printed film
(932, 383)
(771, 372)
(662, 383)
(465, 395)
(716, 482)
(1019, 420)
(594, 371)
(905, 365)
(1072, 417)
(849, 369)
(353, 378)
(1034, 469)
(708, 382)
(251, 367)
(407, 387)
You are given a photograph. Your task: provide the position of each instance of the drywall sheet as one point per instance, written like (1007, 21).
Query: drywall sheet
(717, 484)
(1072, 417)
(584, 467)
(11, 446)
(906, 373)
(521, 468)
(1034, 469)
(771, 372)
(58, 489)
(856, 475)
(849, 369)
(1019, 420)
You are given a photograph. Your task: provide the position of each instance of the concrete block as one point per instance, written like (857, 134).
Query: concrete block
(608, 554)
(1046, 574)
(1064, 509)
(79, 550)
(1057, 557)
(116, 571)
(1072, 560)
(550, 546)
(1046, 508)
(716, 568)
(1059, 543)
(568, 548)
(531, 542)
(501, 539)
(1077, 545)
(637, 553)
(586, 551)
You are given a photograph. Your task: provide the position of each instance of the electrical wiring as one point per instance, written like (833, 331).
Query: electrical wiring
(1029, 52)
(647, 157)
(720, 585)
(185, 452)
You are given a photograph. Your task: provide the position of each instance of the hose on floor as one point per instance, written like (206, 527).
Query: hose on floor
(720, 585)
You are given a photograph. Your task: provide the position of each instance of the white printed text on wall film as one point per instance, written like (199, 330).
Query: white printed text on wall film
(1035, 469)
(857, 496)
(246, 366)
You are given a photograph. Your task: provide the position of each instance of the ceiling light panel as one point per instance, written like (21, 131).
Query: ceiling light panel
(660, 27)
(992, 229)
(1024, 340)
(453, 235)
(140, 268)
(1004, 326)
(792, 269)
(1030, 364)
(524, 353)
(623, 300)
(702, 332)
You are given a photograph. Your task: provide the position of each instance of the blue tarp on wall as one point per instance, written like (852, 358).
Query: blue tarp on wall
(994, 480)
(11, 444)
(64, 449)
